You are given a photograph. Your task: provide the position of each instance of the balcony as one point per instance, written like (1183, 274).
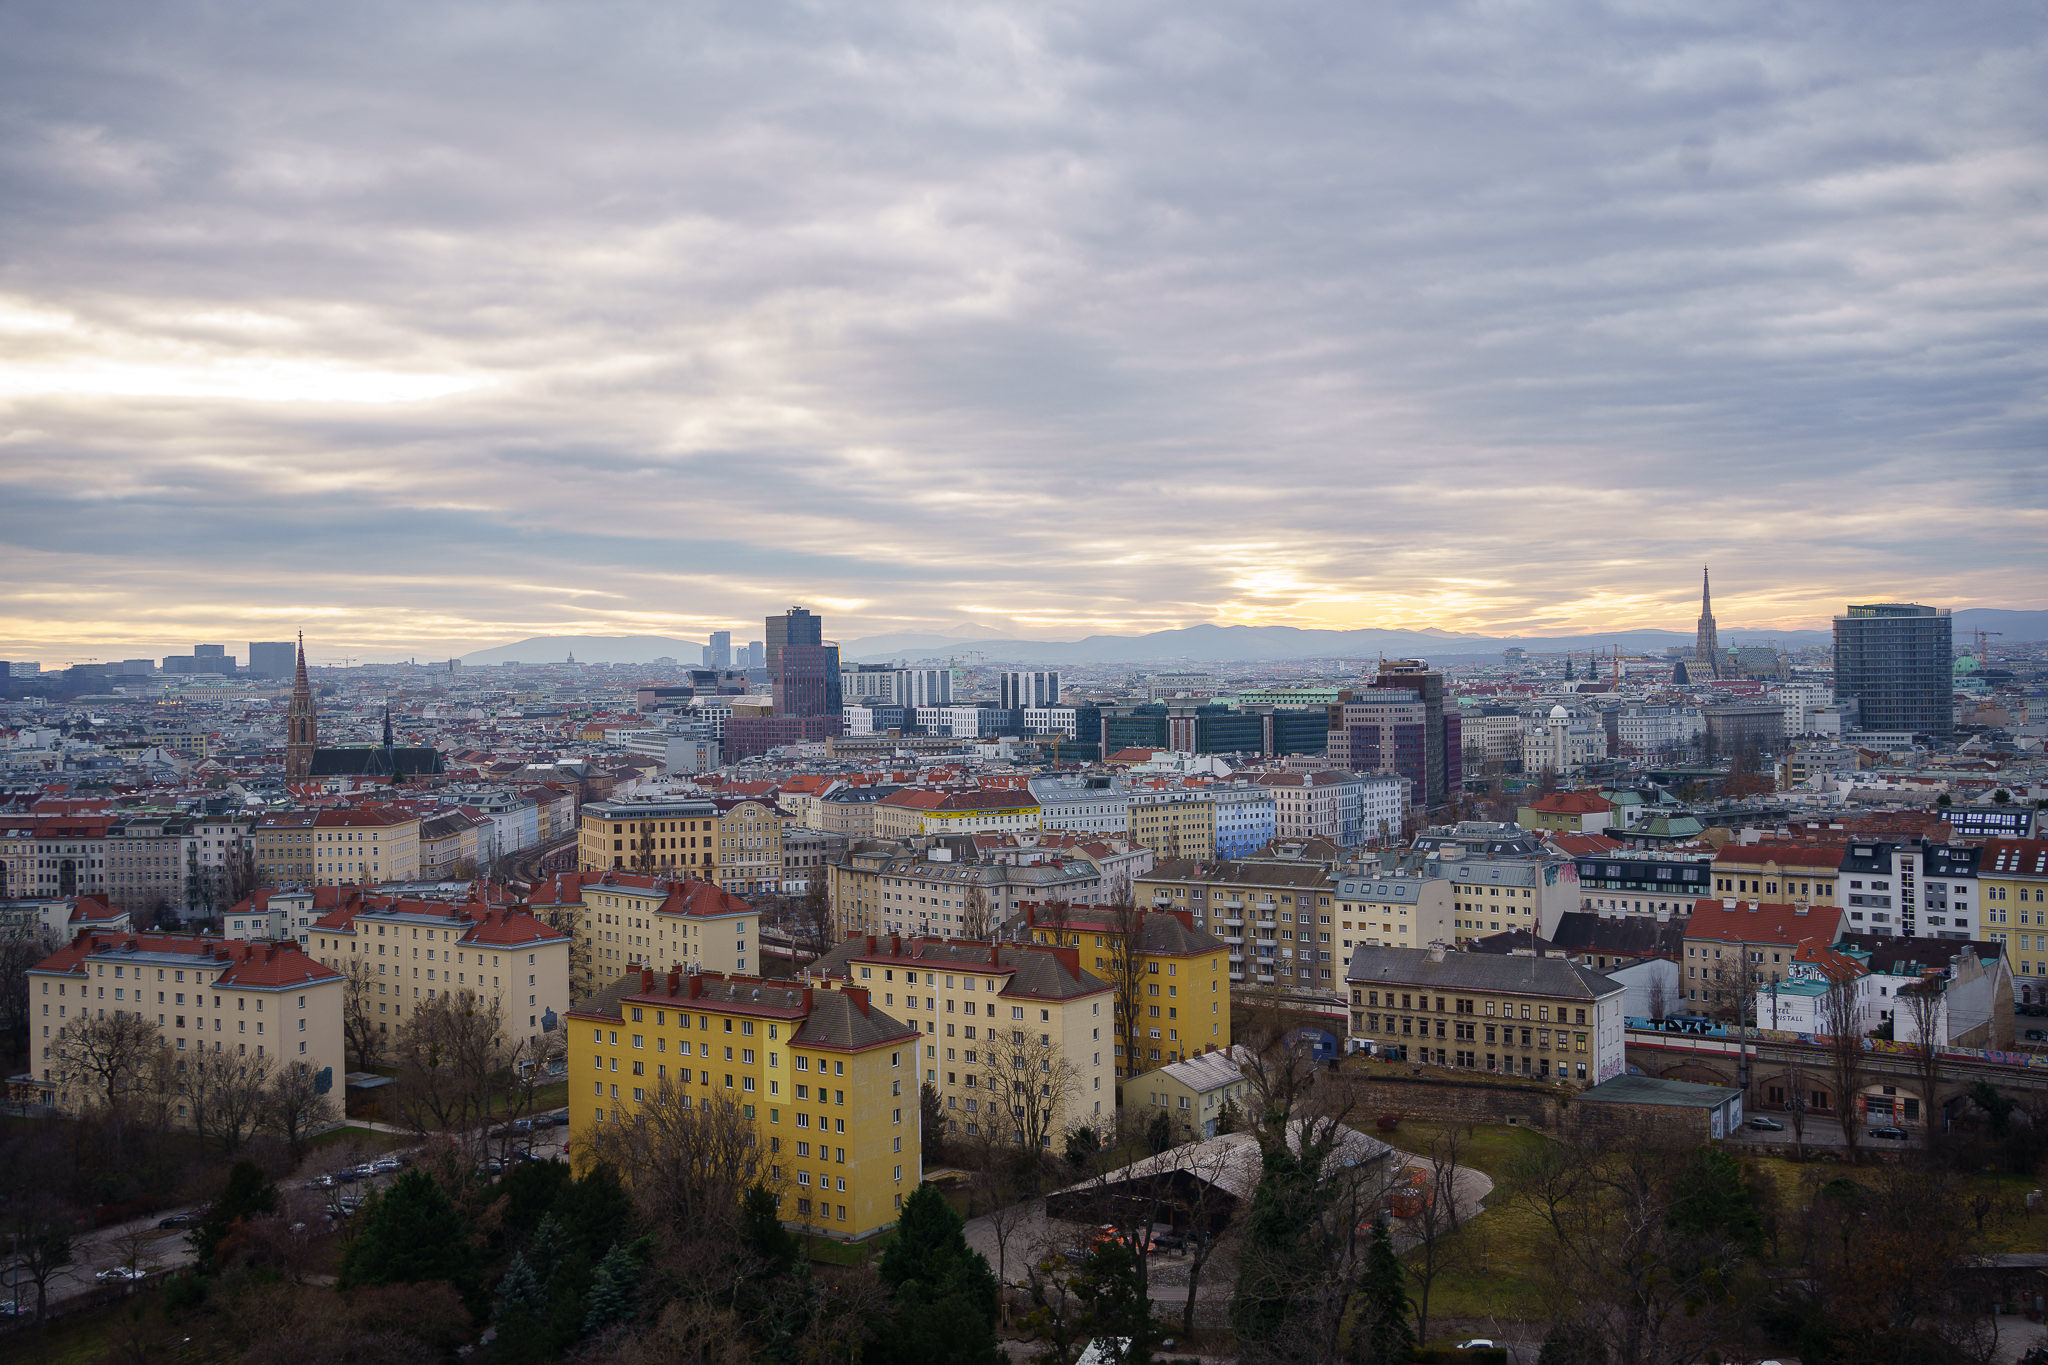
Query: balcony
(1268, 941)
(1234, 921)
(1235, 940)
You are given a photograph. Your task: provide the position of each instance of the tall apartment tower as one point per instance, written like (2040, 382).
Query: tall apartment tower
(718, 654)
(1706, 646)
(1030, 689)
(803, 669)
(1896, 660)
(301, 726)
(1400, 725)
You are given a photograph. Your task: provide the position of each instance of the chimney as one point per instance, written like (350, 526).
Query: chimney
(696, 986)
(646, 980)
(895, 945)
(871, 943)
(1070, 958)
(675, 982)
(1436, 951)
(859, 996)
(807, 1002)
(1186, 917)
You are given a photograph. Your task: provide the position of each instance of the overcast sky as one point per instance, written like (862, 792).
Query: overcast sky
(428, 326)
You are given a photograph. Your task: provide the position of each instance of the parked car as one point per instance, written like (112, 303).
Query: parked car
(388, 1164)
(178, 1220)
(1477, 1344)
(1767, 1125)
(1889, 1133)
(2034, 1035)
(121, 1274)
(13, 1308)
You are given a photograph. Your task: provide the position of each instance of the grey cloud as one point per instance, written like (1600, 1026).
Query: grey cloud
(1097, 312)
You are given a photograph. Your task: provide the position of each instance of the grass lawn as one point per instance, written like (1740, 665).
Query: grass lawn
(553, 1095)
(1496, 1260)
(368, 1139)
(842, 1253)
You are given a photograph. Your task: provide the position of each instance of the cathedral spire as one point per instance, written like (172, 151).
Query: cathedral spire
(1706, 648)
(301, 725)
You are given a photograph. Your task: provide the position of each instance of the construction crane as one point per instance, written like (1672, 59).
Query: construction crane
(1983, 656)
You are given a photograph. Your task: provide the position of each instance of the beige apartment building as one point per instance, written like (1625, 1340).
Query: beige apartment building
(1276, 917)
(911, 811)
(661, 837)
(1174, 825)
(1397, 907)
(268, 1003)
(749, 847)
(992, 1013)
(354, 846)
(420, 950)
(623, 920)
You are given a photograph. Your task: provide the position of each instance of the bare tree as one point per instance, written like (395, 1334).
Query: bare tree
(1926, 1003)
(294, 1106)
(361, 1034)
(1123, 938)
(103, 1062)
(1032, 1078)
(977, 913)
(1435, 1225)
(453, 1060)
(809, 920)
(224, 1095)
(1208, 1204)
(17, 955)
(688, 1163)
(1057, 1315)
(1842, 1022)
(1618, 1261)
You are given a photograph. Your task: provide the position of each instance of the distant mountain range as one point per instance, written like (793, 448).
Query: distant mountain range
(1226, 644)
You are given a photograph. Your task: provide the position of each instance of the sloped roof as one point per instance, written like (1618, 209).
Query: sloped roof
(253, 965)
(1035, 971)
(1422, 967)
(1572, 803)
(1766, 922)
(1582, 931)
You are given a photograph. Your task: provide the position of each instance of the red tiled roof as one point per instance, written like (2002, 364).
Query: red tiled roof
(978, 799)
(2014, 858)
(1583, 845)
(1572, 803)
(256, 965)
(1769, 922)
(1825, 856)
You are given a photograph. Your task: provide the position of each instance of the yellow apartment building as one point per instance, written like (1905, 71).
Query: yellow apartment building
(667, 838)
(2012, 882)
(912, 811)
(827, 1080)
(1183, 972)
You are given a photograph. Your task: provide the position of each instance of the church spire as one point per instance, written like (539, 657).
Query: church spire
(301, 725)
(1706, 648)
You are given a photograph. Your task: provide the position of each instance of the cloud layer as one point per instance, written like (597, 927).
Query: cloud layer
(427, 326)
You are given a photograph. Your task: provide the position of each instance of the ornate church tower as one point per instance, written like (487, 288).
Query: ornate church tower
(301, 727)
(1706, 649)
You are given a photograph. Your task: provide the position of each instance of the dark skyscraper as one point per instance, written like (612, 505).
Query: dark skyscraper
(1896, 661)
(802, 667)
(270, 659)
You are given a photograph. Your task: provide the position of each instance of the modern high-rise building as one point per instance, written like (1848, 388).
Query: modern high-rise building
(796, 626)
(1706, 648)
(1024, 689)
(718, 654)
(1431, 753)
(803, 670)
(756, 655)
(1896, 660)
(270, 658)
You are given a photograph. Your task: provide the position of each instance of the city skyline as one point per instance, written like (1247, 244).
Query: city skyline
(1029, 325)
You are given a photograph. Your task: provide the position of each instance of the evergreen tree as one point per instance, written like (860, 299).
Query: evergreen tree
(1383, 1334)
(247, 1195)
(594, 1212)
(521, 1288)
(544, 1252)
(945, 1292)
(1112, 1284)
(762, 1233)
(1711, 1199)
(411, 1234)
(614, 1291)
(1276, 1260)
